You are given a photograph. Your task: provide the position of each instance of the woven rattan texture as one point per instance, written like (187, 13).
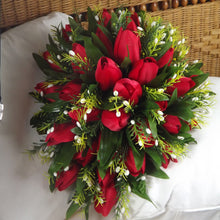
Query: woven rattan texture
(200, 23)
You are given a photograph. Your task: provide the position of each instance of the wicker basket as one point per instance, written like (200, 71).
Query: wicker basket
(200, 23)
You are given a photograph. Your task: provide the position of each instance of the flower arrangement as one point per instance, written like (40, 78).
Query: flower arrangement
(119, 101)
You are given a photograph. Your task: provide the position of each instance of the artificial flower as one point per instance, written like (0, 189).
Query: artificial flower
(172, 124)
(60, 133)
(127, 44)
(183, 85)
(166, 58)
(47, 56)
(130, 163)
(113, 121)
(144, 70)
(107, 73)
(67, 178)
(128, 89)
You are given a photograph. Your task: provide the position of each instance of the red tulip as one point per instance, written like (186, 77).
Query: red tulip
(109, 194)
(166, 58)
(112, 122)
(70, 91)
(130, 163)
(61, 133)
(162, 105)
(44, 90)
(128, 89)
(77, 114)
(127, 43)
(47, 56)
(65, 32)
(172, 124)
(167, 159)
(67, 178)
(80, 52)
(134, 17)
(183, 85)
(106, 16)
(90, 155)
(107, 73)
(144, 70)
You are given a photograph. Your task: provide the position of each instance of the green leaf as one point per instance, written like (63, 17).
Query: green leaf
(71, 210)
(102, 171)
(92, 52)
(155, 156)
(125, 65)
(92, 21)
(41, 62)
(159, 174)
(52, 181)
(76, 131)
(110, 140)
(173, 97)
(62, 158)
(182, 110)
(138, 155)
(75, 26)
(106, 32)
(163, 50)
(139, 188)
(99, 44)
(199, 80)
(153, 168)
(153, 125)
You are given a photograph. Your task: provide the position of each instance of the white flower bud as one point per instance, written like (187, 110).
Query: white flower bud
(85, 117)
(41, 93)
(140, 143)
(58, 57)
(159, 112)
(162, 42)
(194, 99)
(115, 93)
(156, 143)
(97, 18)
(65, 112)
(55, 174)
(83, 100)
(127, 172)
(170, 39)
(180, 53)
(52, 154)
(161, 118)
(70, 38)
(183, 40)
(164, 35)
(155, 40)
(126, 103)
(180, 137)
(153, 23)
(132, 122)
(49, 86)
(88, 111)
(118, 114)
(148, 131)
(117, 170)
(66, 168)
(143, 178)
(174, 76)
(50, 61)
(52, 129)
(123, 210)
(179, 42)
(160, 90)
(195, 61)
(76, 137)
(78, 125)
(171, 31)
(72, 53)
(139, 18)
(129, 189)
(140, 28)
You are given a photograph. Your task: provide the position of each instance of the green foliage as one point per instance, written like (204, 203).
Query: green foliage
(62, 158)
